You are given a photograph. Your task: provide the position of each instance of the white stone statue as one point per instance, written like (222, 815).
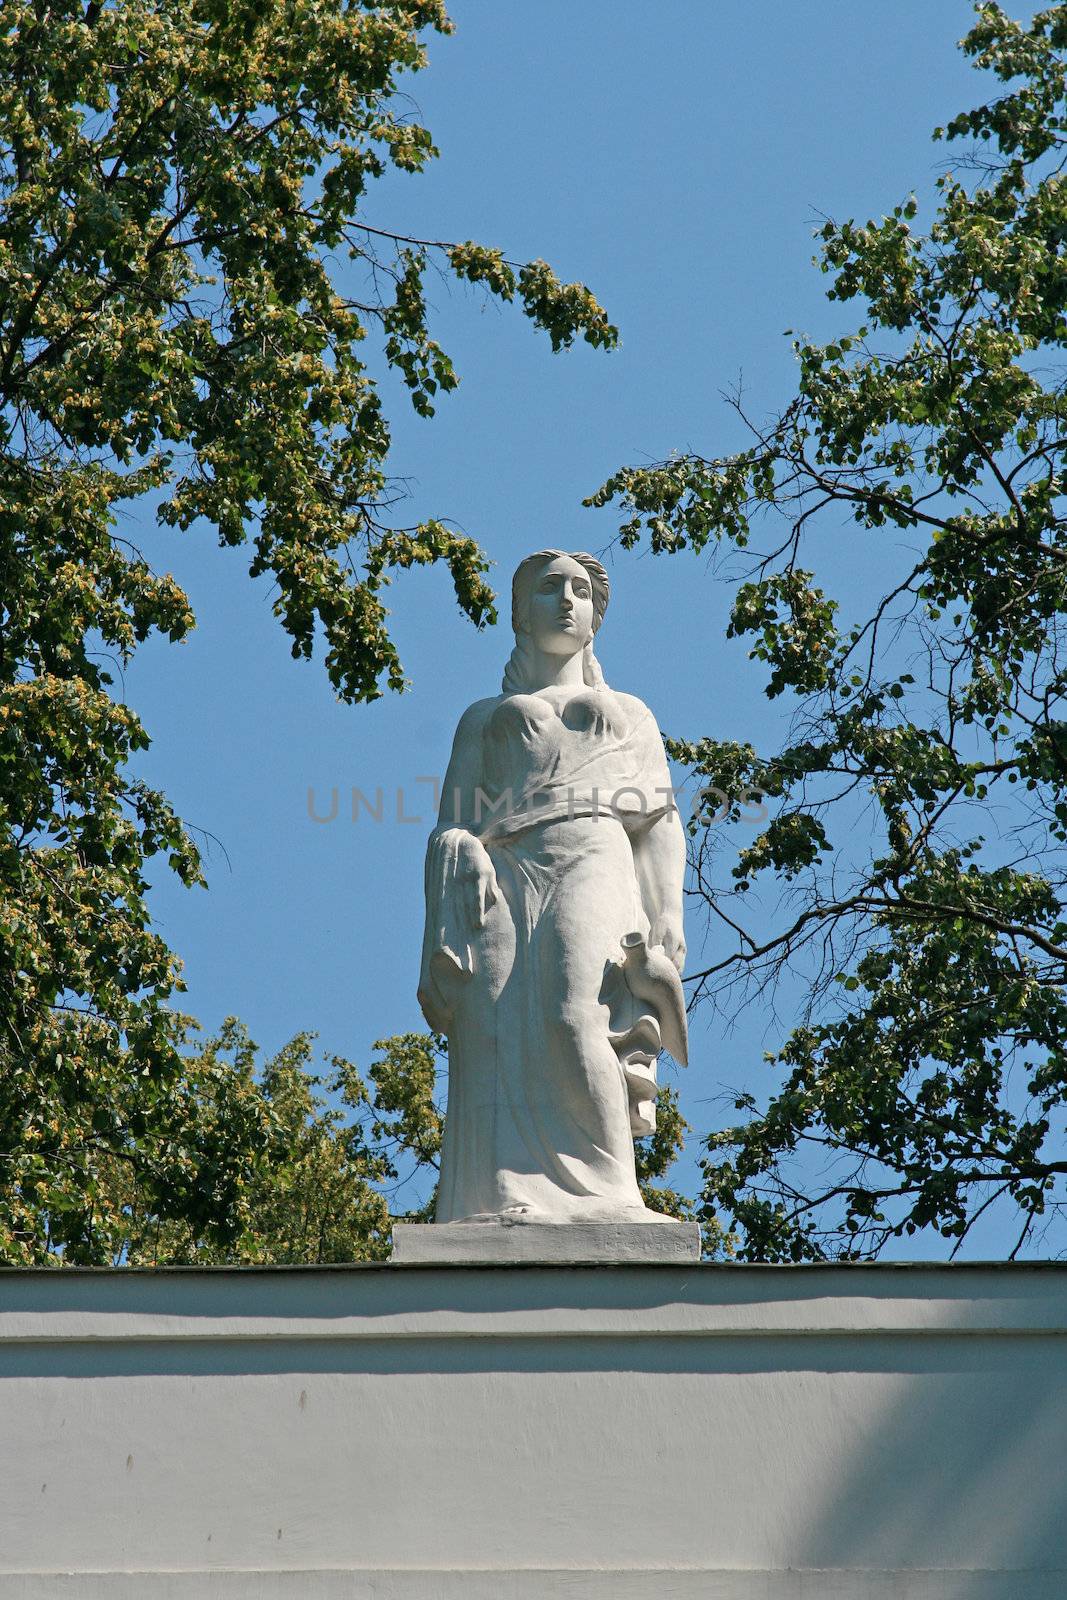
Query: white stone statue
(554, 937)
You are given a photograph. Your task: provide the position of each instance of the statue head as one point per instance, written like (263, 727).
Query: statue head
(558, 601)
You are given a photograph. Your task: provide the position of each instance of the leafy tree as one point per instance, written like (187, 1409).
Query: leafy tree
(178, 181)
(321, 1154)
(657, 1153)
(914, 856)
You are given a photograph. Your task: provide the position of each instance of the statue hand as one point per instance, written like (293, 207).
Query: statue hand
(477, 878)
(483, 891)
(667, 931)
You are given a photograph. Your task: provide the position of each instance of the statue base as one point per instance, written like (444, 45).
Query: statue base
(507, 1241)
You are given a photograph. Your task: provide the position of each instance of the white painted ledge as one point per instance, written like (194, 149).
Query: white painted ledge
(527, 1433)
(421, 1301)
(537, 1583)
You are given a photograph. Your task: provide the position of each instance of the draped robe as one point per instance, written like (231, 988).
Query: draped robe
(538, 1120)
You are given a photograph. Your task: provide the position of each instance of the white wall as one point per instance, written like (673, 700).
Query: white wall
(406, 1433)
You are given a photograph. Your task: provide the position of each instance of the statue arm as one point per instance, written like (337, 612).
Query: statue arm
(464, 773)
(474, 871)
(659, 856)
(460, 880)
(659, 850)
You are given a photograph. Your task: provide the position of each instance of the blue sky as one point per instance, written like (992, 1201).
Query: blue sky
(676, 158)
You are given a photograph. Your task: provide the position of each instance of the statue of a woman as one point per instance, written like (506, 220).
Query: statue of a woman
(557, 840)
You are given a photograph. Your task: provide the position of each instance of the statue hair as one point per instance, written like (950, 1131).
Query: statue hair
(517, 671)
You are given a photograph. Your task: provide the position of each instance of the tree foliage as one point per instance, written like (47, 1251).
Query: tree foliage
(914, 857)
(656, 1155)
(191, 277)
(318, 1159)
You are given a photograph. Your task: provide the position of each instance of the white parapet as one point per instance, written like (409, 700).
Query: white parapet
(675, 1432)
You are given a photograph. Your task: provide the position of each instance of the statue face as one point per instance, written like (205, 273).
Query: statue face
(561, 607)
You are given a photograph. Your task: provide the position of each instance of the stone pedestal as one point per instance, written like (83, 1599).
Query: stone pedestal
(611, 1432)
(506, 1242)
